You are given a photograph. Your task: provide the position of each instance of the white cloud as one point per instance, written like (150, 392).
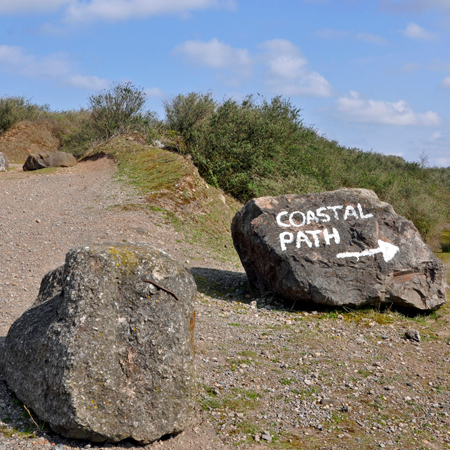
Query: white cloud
(215, 54)
(85, 82)
(58, 67)
(282, 63)
(358, 109)
(410, 67)
(288, 73)
(111, 10)
(330, 33)
(154, 92)
(118, 10)
(445, 83)
(28, 6)
(402, 6)
(373, 38)
(436, 136)
(414, 31)
(17, 60)
(443, 162)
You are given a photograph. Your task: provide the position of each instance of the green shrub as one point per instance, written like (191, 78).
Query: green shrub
(186, 113)
(15, 109)
(118, 110)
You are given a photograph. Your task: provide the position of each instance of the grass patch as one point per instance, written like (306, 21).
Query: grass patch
(287, 381)
(445, 241)
(239, 400)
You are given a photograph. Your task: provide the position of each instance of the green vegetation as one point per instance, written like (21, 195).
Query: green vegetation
(116, 111)
(15, 109)
(249, 148)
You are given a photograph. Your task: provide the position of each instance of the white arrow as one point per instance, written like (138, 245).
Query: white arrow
(388, 250)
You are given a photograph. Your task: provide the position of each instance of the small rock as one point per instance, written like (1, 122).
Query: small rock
(3, 163)
(412, 335)
(266, 436)
(329, 401)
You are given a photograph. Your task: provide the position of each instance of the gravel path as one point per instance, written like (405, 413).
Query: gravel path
(267, 376)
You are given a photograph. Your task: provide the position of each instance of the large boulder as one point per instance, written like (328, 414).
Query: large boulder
(104, 355)
(49, 159)
(3, 163)
(344, 247)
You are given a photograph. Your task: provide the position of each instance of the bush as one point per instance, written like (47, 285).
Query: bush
(15, 109)
(119, 110)
(186, 113)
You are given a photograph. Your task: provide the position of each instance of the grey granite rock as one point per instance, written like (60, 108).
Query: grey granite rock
(49, 159)
(344, 247)
(3, 162)
(103, 355)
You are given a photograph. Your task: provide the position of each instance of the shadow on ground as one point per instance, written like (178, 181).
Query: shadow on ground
(234, 287)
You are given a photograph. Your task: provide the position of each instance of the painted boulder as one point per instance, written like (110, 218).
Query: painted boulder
(344, 247)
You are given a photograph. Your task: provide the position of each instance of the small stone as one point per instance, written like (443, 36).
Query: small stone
(253, 304)
(412, 335)
(257, 437)
(266, 436)
(329, 401)
(38, 220)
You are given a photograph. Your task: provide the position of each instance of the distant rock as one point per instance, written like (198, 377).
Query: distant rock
(412, 335)
(49, 159)
(3, 162)
(102, 354)
(157, 143)
(344, 247)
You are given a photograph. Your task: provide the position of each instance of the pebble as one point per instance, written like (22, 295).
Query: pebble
(412, 335)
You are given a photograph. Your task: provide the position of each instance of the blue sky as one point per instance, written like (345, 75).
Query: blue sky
(372, 74)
